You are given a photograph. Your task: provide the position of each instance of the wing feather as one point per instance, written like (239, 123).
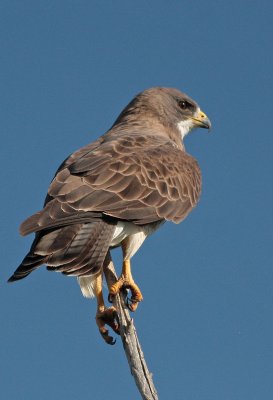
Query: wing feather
(139, 178)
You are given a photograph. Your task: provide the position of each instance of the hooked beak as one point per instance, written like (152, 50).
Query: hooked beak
(200, 120)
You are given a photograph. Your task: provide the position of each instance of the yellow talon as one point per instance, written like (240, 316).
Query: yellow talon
(126, 281)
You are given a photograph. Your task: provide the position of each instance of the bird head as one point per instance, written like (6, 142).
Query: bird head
(164, 107)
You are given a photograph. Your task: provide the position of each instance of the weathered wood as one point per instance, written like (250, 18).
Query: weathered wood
(132, 347)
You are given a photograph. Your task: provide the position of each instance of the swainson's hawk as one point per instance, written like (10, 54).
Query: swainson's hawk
(115, 192)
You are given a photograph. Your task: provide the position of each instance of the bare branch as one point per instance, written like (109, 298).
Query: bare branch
(132, 347)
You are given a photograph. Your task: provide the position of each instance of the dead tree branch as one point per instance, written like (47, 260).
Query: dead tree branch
(133, 351)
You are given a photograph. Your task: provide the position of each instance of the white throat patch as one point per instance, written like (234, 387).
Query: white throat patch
(184, 127)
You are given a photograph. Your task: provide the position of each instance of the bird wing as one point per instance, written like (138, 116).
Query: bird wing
(142, 178)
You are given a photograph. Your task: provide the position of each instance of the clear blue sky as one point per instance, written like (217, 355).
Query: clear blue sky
(67, 69)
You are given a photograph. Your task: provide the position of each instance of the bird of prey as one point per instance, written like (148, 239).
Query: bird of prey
(115, 192)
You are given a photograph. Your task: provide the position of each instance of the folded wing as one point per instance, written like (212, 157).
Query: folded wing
(135, 177)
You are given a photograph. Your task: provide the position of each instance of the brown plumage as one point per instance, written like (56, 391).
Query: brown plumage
(137, 174)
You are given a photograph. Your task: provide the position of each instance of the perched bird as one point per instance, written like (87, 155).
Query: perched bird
(115, 192)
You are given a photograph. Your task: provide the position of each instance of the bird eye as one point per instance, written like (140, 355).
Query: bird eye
(183, 104)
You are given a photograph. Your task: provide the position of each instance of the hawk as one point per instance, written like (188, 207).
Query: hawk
(115, 192)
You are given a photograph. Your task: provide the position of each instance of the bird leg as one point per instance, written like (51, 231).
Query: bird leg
(126, 281)
(105, 315)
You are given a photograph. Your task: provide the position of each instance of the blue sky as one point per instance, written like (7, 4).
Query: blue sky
(67, 70)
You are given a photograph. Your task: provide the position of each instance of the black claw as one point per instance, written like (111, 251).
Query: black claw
(110, 298)
(129, 302)
(125, 290)
(116, 325)
(108, 317)
(108, 339)
(133, 300)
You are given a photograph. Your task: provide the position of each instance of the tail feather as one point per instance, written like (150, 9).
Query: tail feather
(77, 250)
(29, 264)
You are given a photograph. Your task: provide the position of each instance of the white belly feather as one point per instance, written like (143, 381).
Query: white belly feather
(122, 230)
(132, 237)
